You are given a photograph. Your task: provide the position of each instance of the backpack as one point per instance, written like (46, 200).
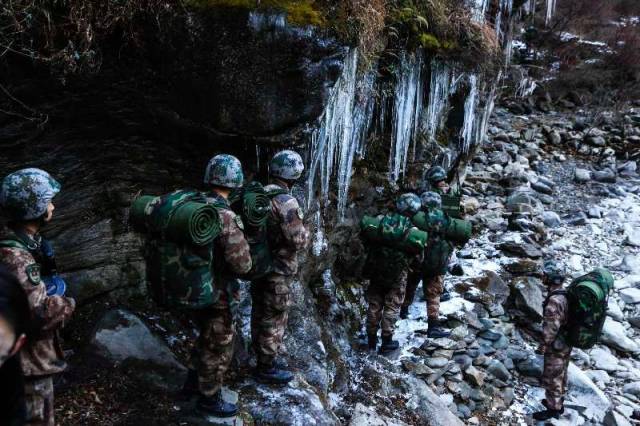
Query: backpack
(252, 203)
(394, 231)
(451, 205)
(588, 298)
(181, 227)
(438, 224)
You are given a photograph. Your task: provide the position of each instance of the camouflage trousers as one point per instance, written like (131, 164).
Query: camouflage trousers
(554, 376)
(213, 353)
(385, 301)
(432, 288)
(270, 299)
(38, 396)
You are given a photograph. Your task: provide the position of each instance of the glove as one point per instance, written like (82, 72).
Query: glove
(55, 285)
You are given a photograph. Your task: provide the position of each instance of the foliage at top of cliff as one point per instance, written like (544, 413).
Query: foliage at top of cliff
(299, 12)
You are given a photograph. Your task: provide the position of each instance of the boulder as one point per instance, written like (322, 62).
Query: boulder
(583, 392)
(613, 418)
(604, 360)
(607, 176)
(551, 219)
(632, 389)
(582, 175)
(528, 296)
(595, 140)
(631, 235)
(366, 416)
(521, 249)
(630, 295)
(121, 337)
(615, 336)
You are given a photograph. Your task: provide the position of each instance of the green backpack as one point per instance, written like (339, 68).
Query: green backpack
(181, 227)
(451, 205)
(395, 231)
(588, 298)
(253, 204)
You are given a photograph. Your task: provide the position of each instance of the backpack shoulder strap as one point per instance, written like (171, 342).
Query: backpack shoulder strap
(11, 243)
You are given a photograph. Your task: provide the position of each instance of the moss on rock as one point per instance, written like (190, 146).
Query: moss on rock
(299, 12)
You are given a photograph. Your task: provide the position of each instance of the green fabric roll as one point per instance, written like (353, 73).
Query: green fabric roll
(181, 217)
(252, 203)
(458, 231)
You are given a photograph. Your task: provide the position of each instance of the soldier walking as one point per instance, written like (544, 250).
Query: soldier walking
(387, 269)
(271, 295)
(433, 267)
(26, 199)
(213, 353)
(556, 350)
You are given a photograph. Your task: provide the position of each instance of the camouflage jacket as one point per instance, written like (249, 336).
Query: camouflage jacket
(555, 318)
(231, 242)
(43, 354)
(288, 234)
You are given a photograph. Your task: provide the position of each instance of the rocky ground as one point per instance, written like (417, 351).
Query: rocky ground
(541, 186)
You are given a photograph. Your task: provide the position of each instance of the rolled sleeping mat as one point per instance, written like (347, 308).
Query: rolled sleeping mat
(458, 231)
(177, 219)
(405, 238)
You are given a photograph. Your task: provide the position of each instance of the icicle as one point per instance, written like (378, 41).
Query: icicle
(551, 9)
(406, 111)
(341, 133)
(479, 9)
(439, 89)
(467, 131)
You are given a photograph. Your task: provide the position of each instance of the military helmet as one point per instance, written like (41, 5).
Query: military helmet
(553, 271)
(224, 170)
(431, 199)
(26, 194)
(408, 204)
(286, 165)
(435, 174)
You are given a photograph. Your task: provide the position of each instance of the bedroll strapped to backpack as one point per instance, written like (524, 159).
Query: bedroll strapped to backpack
(394, 231)
(253, 203)
(435, 222)
(181, 227)
(588, 298)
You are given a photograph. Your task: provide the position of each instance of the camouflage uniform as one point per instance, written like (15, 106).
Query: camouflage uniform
(42, 356)
(271, 295)
(214, 348)
(556, 351)
(385, 300)
(433, 269)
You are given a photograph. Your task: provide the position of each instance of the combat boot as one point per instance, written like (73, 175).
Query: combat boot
(388, 345)
(372, 342)
(216, 406)
(272, 375)
(404, 312)
(547, 414)
(435, 330)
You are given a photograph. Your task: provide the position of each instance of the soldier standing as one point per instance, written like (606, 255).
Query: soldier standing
(556, 351)
(214, 349)
(433, 268)
(26, 199)
(271, 295)
(387, 270)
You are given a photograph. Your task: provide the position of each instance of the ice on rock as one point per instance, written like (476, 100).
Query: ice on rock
(341, 134)
(406, 111)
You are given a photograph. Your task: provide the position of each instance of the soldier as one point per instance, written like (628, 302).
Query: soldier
(387, 270)
(25, 198)
(433, 268)
(214, 349)
(436, 176)
(554, 347)
(271, 295)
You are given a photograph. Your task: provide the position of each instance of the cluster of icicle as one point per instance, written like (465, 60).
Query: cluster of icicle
(341, 134)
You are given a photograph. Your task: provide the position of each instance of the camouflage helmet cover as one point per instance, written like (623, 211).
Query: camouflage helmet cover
(408, 203)
(435, 174)
(431, 199)
(26, 194)
(286, 165)
(224, 170)
(553, 271)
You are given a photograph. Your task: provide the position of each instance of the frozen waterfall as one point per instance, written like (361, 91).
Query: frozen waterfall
(441, 84)
(342, 132)
(407, 104)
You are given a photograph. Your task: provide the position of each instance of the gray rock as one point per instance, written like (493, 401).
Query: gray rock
(607, 176)
(595, 212)
(521, 249)
(603, 360)
(585, 393)
(632, 389)
(614, 311)
(630, 295)
(528, 296)
(437, 362)
(474, 376)
(121, 337)
(613, 418)
(551, 219)
(632, 235)
(498, 370)
(531, 367)
(614, 336)
(582, 175)
(554, 137)
(575, 218)
(523, 200)
(366, 416)
(595, 140)
(428, 406)
(541, 187)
